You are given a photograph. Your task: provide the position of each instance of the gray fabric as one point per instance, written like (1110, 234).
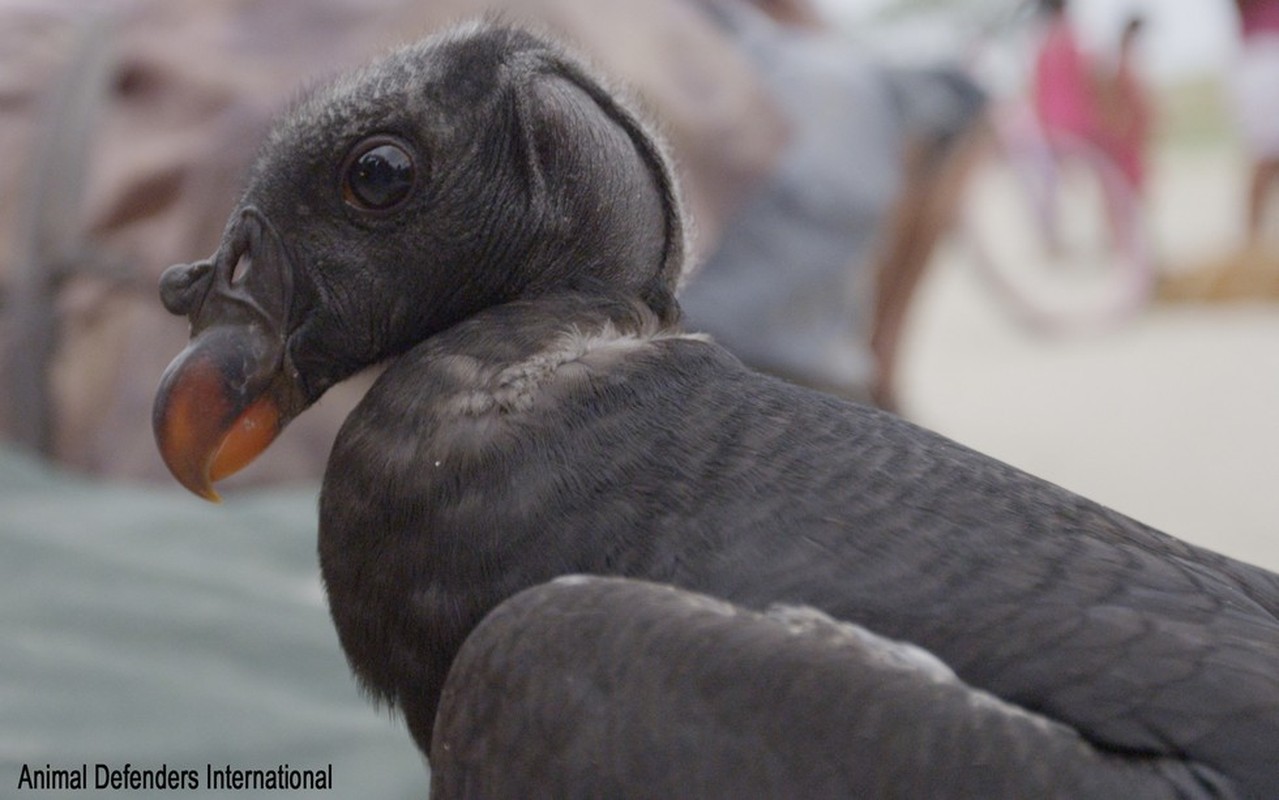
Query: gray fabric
(787, 288)
(790, 288)
(936, 104)
(146, 627)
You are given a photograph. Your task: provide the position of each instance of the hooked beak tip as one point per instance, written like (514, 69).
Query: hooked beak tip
(204, 430)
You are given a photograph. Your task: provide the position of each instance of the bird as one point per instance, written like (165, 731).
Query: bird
(489, 219)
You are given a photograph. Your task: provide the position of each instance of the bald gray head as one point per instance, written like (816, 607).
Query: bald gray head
(516, 173)
(473, 168)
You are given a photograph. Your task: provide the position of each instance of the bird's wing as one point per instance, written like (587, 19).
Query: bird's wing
(612, 688)
(1142, 643)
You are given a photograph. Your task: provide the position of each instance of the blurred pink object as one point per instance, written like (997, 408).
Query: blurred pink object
(1126, 143)
(1126, 110)
(1259, 17)
(1063, 88)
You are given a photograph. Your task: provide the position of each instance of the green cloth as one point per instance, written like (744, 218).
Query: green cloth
(141, 625)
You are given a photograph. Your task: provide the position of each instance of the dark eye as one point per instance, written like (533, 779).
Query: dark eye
(378, 176)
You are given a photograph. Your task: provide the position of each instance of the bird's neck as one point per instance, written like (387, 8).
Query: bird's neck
(521, 328)
(517, 356)
(430, 502)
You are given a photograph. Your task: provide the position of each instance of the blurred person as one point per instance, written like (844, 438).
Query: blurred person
(1251, 272)
(1256, 95)
(1126, 108)
(1063, 87)
(1089, 111)
(813, 276)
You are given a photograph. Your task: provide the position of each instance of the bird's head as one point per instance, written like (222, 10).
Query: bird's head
(471, 169)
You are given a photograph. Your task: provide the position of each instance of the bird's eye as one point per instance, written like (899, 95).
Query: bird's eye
(378, 176)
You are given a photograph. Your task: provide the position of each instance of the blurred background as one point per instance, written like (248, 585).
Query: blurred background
(1167, 415)
(1037, 230)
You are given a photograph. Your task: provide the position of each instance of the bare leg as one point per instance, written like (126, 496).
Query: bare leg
(922, 214)
(1265, 174)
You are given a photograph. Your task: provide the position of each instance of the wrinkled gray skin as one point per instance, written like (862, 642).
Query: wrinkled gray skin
(542, 414)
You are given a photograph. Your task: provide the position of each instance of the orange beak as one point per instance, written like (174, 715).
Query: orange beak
(227, 396)
(220, 404)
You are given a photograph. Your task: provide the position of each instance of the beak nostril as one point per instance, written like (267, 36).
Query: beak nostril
(241, 269)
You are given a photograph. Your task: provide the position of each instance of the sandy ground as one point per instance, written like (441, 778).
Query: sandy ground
(1172, 418)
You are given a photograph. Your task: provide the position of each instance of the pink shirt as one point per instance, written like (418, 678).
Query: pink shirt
(1261, 16)
(1063, 91)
